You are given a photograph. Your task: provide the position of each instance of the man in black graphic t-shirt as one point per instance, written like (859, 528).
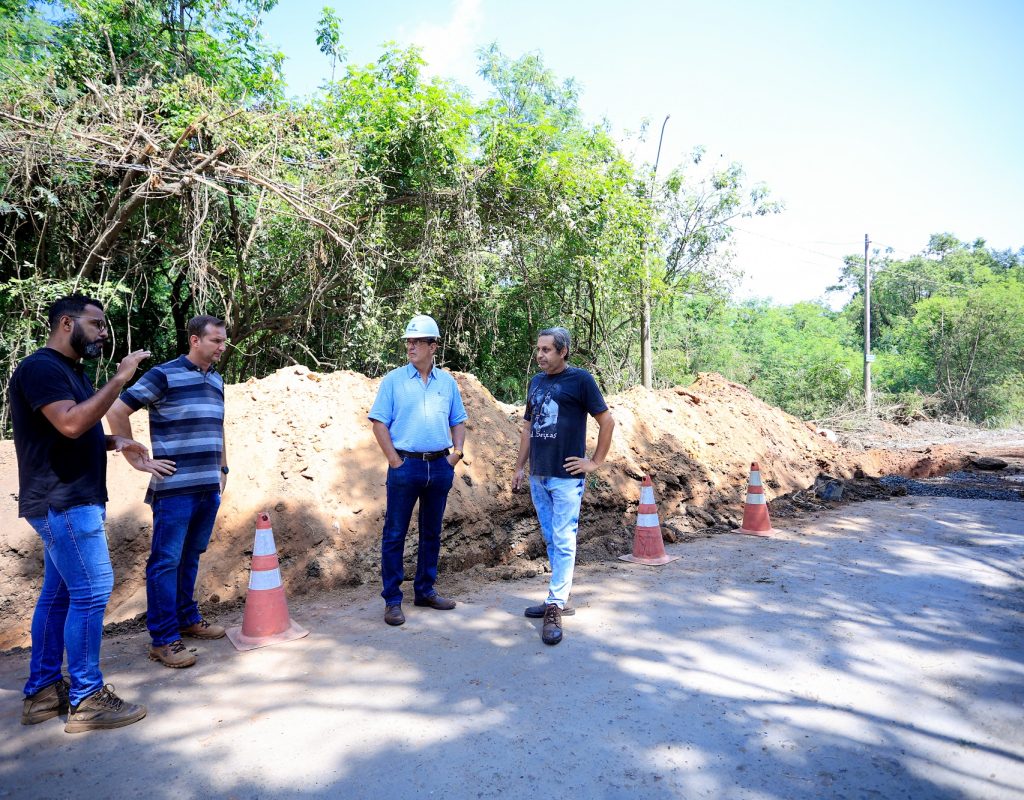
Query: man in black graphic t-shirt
(554, 439)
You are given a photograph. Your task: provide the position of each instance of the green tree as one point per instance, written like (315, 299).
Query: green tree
(974, 345)
(328, 37)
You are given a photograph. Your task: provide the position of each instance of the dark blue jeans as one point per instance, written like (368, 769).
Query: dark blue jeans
(77, 582)
(427, 482)
(182, 525)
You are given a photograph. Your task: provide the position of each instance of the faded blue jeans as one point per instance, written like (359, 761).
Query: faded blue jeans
(77, 582)
(182, 526)
(557, 501)
(427, 482)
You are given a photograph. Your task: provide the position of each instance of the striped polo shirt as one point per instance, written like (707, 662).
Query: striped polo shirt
(186, 424)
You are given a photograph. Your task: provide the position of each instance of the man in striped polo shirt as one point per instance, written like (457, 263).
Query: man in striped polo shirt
(185, 398)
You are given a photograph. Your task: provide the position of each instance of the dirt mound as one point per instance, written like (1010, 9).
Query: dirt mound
(300, 447)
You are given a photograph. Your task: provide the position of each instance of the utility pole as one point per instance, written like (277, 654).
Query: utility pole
(868, 357)
(646, 354)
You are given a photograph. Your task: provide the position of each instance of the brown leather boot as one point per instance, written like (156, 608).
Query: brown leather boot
(174, 655)
(204, 630)
(551, 633)
(537, 611)
(435, 601)
(103, 709)
(49, 702)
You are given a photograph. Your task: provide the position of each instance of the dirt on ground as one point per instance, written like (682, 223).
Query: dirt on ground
(300, 447)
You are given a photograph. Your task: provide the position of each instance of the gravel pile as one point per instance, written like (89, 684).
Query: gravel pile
(963, 485)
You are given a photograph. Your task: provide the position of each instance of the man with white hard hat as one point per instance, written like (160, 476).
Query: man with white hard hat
(419, 422)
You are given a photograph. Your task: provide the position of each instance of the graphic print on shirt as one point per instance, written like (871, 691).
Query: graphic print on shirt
(544, 422)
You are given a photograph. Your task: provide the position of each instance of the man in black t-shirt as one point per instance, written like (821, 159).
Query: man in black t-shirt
(62, 479)
(554, 439)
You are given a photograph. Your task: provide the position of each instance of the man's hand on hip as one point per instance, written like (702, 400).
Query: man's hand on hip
(575, 465)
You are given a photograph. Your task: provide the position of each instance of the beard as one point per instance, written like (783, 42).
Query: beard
(85, 349)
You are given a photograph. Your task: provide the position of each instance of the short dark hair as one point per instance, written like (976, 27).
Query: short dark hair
(70, 306)
(562, 337)
(197, 325)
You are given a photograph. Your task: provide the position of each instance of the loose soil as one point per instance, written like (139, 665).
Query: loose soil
(301, 448)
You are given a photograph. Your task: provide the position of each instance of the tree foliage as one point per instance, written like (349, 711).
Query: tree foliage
(148, 155)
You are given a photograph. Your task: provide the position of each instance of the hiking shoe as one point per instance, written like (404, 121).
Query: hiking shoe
(49, 702)
(204, 630)
(393, 615)
(537, 612)
(103, 709)
(435, 601)
(551, 633)
(174, 655)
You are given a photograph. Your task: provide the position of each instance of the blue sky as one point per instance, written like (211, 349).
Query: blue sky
(896, 119)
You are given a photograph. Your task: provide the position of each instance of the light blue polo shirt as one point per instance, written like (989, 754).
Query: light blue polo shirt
(419, 416)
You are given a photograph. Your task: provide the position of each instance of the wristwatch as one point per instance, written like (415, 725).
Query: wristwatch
(459, 453)
(224, 469)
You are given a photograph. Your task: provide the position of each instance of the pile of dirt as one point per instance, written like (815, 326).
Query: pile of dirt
(301, 448)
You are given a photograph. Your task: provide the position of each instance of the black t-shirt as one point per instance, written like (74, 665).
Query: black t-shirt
(557, 408)
(53, 470)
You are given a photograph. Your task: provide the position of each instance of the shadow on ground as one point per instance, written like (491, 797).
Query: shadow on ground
(848, 658)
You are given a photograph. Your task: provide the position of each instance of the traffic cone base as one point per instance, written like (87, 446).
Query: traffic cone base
(645, 549)
(243, 642)
(648, 546)
(265, 620)
(756, 520)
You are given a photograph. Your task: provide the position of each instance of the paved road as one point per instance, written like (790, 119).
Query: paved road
(875, 652)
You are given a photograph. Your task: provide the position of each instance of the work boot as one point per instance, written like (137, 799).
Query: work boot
(551, 633)
(393, 615)
(174, 655)
(537, 611)
(435, 601)
(103, 709)
(204, 630)
(49, 702)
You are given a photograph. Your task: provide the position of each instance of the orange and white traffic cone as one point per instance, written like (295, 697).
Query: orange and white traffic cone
(648, 546)
(756, 521)
(265, 620)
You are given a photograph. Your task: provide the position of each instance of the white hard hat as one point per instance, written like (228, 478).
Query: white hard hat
(421, 326)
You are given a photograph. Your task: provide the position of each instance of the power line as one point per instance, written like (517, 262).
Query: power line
(829, 256)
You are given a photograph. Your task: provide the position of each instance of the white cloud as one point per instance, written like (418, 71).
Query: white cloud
(449, 47)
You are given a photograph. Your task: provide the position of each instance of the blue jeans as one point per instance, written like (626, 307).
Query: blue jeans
(77, 582)
(557, 501)
(182, 525)
(429, 483)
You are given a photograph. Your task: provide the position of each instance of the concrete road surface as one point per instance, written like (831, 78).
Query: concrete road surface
(873, 652)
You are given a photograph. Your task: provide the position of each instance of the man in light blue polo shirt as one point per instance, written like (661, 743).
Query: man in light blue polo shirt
(420, 424)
